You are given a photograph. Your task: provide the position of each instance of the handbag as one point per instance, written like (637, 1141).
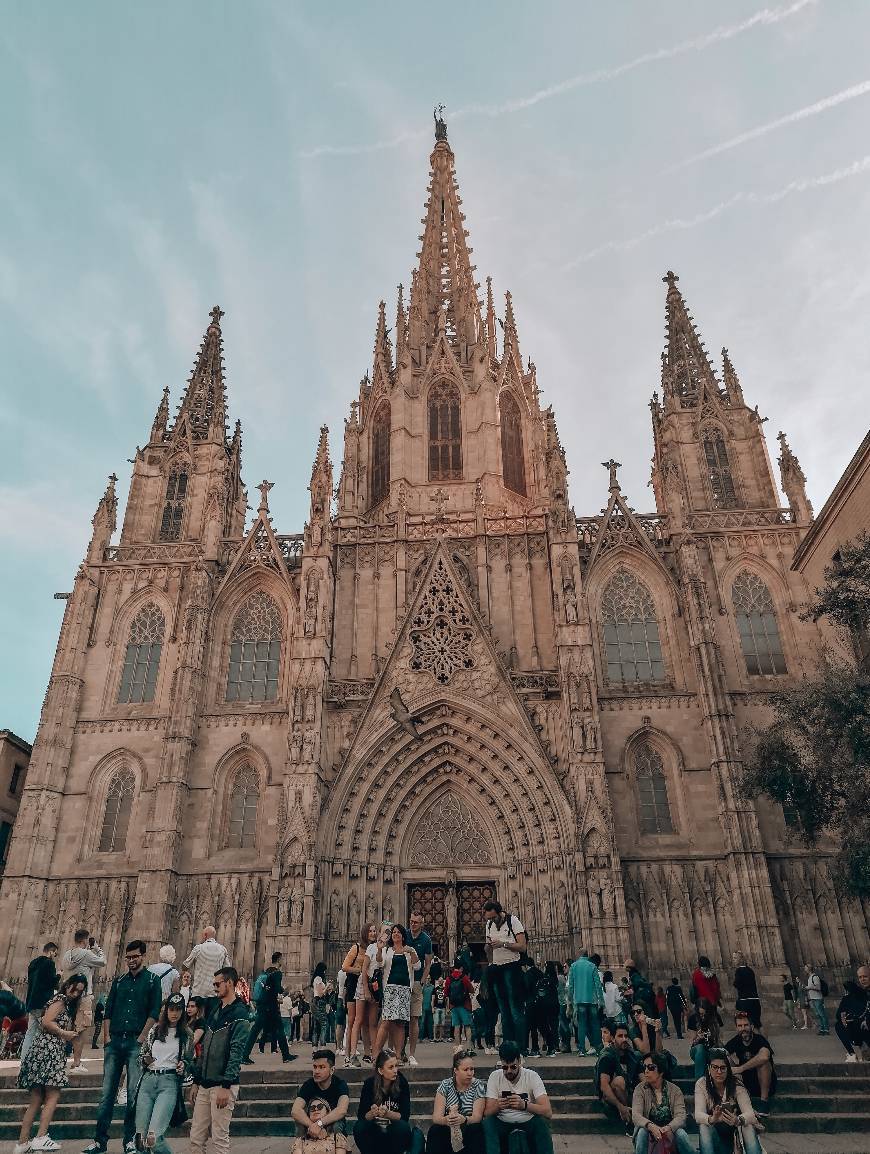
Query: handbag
(376, 985)
(665, 1145)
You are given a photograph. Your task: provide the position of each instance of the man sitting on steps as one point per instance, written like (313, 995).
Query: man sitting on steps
(617, 1073)
(517, 1107)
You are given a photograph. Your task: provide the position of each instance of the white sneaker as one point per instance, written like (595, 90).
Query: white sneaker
(121, 1100)
(79, 1069)
(412, 1061)
(20, 1148)
(46, 1142)
(851, 1057)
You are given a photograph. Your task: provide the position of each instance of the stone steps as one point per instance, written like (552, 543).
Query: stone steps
(811, 1098)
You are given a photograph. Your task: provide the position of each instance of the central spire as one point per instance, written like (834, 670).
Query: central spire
(444, 280)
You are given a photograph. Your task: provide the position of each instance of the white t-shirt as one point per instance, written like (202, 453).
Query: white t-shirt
(510, 928)
(165, 1054)
(528, 1082)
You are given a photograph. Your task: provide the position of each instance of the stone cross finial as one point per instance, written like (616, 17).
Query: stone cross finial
(440, 498)
(216, 314)
(264, 487)
(670, 278)
(612, 466)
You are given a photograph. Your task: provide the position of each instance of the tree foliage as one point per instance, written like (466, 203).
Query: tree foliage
(814, 759)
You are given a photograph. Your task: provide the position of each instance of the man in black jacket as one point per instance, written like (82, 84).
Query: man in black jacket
(853, 1015)
(41, 986)
(216, 1072)
(267, 1023)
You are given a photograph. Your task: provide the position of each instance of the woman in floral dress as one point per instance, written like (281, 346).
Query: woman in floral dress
(43, 1071)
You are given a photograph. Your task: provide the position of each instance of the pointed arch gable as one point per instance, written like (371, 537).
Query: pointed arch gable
(242, 758)
(224, 614)
(448, 828)
(119, 765)
(663, 591)
(666, 755)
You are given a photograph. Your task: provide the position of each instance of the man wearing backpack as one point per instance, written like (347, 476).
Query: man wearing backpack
(267, 998)
(459, 989)
(817, 991)
(505, 946)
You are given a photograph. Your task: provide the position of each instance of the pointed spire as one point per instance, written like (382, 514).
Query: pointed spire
(383, 346)
(161, 418)
(732, 381)
(511, 336)
(104, 522)
(321, 484)
(492, 347)
(205, 403)
(264, 487)
(794, 482)
(445, 275)
(687, 373)
(401, 324)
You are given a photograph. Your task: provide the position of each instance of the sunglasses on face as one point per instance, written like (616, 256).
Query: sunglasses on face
(650, 1069)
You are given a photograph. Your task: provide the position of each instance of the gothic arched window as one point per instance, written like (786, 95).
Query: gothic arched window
(380, 470)
(173, 507)
(632, 650)
(242, 816)
(445, 433)
(653, 809)
(119, 802)
(512, 463)
(719, 470)
(255, 651)
(756, 624)
(142, 659)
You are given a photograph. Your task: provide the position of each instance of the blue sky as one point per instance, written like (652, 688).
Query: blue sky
(273, 158)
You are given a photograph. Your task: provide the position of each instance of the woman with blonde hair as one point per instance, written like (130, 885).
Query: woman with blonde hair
(355, 995)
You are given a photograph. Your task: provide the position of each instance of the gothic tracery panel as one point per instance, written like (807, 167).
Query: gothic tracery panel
(449, 834)
(441, 629)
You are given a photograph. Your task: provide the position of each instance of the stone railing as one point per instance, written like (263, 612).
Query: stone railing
(155, 553)
(720, 520)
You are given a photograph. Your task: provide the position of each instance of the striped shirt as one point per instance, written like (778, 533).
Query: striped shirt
(465, 1099)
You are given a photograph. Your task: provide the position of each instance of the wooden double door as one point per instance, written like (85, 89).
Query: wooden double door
(430, 898)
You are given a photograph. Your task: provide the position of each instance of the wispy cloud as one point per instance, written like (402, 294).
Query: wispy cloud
(820, 106)
(765, 17)
(682, 224)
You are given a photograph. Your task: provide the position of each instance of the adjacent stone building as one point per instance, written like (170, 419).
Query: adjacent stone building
(14, 760)
(449, 685)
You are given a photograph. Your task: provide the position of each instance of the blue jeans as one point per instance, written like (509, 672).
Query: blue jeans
(508, 985)
(698, 1054)
(32, 1027)
(711, 1143)
(532, 1137)
(587, 1025)
(120, 1053)
(642, 1139)
(155, 1103)
(817, 1005)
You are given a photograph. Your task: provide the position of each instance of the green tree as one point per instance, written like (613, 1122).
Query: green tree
(814, 758)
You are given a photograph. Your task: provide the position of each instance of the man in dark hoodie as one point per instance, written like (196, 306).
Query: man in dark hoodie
(41, 985)
(852, 1024)
(216, 1072)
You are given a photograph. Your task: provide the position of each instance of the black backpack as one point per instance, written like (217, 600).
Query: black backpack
(456, 992)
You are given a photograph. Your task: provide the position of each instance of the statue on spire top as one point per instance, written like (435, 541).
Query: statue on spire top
(440, 123)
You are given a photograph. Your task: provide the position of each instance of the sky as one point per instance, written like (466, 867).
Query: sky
(273, 158)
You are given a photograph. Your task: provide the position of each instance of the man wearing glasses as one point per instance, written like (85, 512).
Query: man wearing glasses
(516, 1101)
(216, 1072)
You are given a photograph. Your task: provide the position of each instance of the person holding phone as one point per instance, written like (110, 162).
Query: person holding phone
(722, 1106)
(516, 1099)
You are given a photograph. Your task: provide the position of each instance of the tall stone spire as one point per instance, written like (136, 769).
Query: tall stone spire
(204, 405)
(687, 375)
(104, 523)
(444, 278)
(794, 483)
(161, 418)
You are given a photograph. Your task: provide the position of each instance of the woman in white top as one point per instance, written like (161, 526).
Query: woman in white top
(398, 975)
(163, 1067)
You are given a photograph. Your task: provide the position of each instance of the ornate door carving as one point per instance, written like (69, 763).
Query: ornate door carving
(473, 896)
(429, 900)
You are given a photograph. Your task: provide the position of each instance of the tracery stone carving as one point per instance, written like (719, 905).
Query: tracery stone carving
(257, 620)
(449, 834)
(441, 629)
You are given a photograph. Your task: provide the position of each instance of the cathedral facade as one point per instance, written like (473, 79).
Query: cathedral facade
(449, 686)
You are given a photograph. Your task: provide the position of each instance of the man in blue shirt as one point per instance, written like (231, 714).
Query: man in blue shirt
(585, 997)
(132, 1008)
(420, 941)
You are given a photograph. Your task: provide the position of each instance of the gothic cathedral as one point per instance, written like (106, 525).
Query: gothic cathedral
(450, 685)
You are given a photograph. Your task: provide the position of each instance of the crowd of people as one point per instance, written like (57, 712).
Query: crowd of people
(179, 1034)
